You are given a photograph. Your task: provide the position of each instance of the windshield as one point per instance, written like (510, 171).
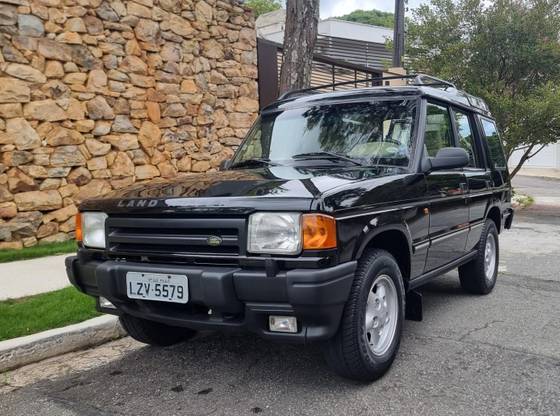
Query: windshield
(372, 133)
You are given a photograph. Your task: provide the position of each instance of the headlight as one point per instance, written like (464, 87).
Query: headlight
(274, 233)
(92, 229)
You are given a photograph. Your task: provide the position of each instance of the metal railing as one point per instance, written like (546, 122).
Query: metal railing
(417, 80)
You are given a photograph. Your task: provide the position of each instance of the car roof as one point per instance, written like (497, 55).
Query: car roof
(447, 94)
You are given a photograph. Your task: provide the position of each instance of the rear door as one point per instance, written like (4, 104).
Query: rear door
(447, 192)
(496, 160)
(476, 174)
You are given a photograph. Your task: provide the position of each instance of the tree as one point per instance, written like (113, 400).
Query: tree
(300, 34)
(370, 17)
(508, 53)
(263, 6)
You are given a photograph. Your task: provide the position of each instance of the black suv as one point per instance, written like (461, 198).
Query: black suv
(333, 211)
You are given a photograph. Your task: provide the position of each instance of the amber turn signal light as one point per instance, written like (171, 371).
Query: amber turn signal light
(319, 232)
(79, 234)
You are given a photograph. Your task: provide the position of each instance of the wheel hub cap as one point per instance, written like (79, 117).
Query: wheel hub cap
(381, 314)
(490, 257)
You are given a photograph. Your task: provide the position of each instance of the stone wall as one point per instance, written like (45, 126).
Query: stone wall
(96, 95)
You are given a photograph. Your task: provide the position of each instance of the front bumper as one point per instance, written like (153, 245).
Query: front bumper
(239, 299)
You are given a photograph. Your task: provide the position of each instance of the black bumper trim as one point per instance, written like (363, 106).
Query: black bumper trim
(239, 299)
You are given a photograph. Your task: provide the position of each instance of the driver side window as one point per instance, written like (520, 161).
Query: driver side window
(439, 131)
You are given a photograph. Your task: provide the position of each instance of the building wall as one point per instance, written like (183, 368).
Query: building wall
(97, 95)
(353, 43)
(548, 158)
(355, 31)
(271, 25)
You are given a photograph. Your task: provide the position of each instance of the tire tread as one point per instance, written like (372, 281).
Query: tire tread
(343, 352)
(473, 275)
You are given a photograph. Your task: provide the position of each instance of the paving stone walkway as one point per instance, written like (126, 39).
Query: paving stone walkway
(31, 277)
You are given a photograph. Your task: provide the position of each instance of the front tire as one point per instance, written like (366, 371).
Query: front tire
(479, 275)
(369, 335)
(154, 333)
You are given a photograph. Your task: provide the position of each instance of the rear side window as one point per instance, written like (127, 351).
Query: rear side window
(494, 143)
(465, 136)
(439, 133)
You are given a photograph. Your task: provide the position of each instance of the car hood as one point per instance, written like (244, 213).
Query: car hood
(241, 191)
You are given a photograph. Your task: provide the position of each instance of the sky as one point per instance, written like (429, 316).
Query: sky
(330, 8)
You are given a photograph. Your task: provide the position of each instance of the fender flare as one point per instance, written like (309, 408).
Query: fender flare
(368, 236)
(495, 203)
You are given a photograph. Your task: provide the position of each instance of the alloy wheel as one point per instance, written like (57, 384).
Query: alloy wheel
(382, 310)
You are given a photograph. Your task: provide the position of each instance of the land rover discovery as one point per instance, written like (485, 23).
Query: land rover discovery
(335, 209)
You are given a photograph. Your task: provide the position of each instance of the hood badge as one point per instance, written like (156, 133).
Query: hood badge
(214, 241)
(137, 203)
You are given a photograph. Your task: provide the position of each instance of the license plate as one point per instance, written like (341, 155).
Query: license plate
(158, 286)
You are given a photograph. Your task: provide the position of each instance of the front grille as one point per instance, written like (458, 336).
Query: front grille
(175, 237)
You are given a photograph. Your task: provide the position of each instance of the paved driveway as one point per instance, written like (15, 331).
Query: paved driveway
(492, 355)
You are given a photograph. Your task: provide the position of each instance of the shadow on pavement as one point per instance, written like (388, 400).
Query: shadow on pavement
(214, 362)
(241, 374)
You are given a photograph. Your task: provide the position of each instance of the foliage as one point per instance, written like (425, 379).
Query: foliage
(26, 316)
(34, 252)
(506, 52)
(263, 6)
(370, 17)
(522, 201)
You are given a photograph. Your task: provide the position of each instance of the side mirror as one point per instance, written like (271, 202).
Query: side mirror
(449, 158)
(225, 164)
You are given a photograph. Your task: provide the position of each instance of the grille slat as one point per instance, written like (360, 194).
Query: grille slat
(165, 239)
(173, 237)
(175, 223)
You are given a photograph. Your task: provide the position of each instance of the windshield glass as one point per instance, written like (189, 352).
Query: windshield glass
(372, 133)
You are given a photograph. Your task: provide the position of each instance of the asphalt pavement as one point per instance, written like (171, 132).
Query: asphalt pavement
(471, 355)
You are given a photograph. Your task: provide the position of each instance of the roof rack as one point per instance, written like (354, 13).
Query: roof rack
(417, 80)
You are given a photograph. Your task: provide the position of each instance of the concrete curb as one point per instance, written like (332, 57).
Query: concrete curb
(32, 348)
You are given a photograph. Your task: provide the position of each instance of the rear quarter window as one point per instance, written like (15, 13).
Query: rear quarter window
(494, 143)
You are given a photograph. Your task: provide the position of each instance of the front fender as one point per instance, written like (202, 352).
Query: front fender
(370, 231)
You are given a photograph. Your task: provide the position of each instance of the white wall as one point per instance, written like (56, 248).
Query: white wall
(549, 157)
(271, 26)
(355, 31)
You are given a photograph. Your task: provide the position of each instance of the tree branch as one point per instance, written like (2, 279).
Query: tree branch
(534, 154)
(522, 160)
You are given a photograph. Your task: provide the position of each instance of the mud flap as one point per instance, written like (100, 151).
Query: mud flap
(413, 310)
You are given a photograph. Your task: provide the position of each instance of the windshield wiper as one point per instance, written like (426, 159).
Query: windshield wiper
(252, 162)
(327, 155)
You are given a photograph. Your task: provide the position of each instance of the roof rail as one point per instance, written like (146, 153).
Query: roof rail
(417, 80)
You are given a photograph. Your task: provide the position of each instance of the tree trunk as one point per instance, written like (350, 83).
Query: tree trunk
(522, 160)
(300, 34)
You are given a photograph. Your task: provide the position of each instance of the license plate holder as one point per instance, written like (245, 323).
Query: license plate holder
(162, 287)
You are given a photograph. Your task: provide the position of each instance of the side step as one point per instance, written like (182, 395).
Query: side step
(413, 309)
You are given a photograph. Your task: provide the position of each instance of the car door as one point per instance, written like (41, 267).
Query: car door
(496, 159)
(477, 175)
(446, 193)
(500, 184)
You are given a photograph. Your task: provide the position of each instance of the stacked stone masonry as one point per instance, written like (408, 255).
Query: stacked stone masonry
(96, 95)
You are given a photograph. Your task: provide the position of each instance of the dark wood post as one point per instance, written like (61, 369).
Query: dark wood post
(268, 72)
